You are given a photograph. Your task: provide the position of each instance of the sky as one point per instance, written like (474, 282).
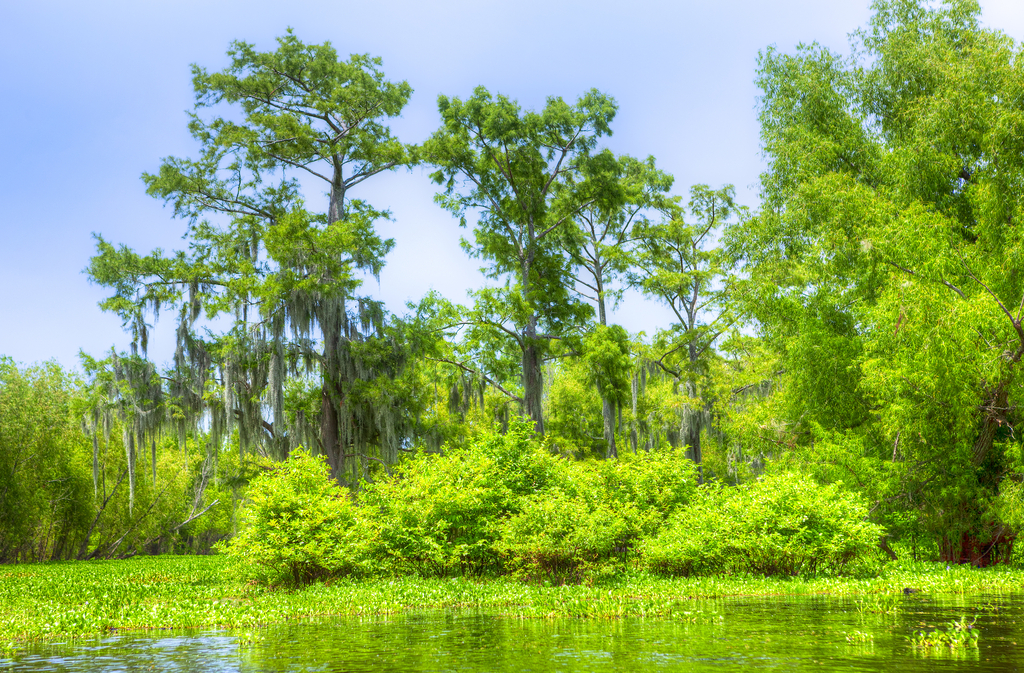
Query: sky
(94, 94)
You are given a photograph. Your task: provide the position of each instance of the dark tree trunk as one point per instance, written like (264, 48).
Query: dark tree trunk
(994, 548)
(608, 411)
(332, 319)
(607, 408)
(695, 427)
(994, 417)
(983, 547)
(533, 378)
(329, 430)
(693, 440)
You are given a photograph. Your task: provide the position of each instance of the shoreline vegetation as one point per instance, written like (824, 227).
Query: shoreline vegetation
(838, 394)
(83, 599)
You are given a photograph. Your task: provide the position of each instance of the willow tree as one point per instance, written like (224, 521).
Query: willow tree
(509, 169)
(283, 275)
(886, 264)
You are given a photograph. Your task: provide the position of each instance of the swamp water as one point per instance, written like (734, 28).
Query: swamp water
(792, 633)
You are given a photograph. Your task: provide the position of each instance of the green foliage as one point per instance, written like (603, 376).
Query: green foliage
(501, 502)
(282, 277)
(655, 483)
(518, 172)
(67, 601)
(680, 265)
(573, 410)
(562, 536)
(439, 515)
(956, 634)
(45, 487)
(885, 264)
(606, 357)
(297, 526)
(594, 513)
(783, 524)
(65, 495)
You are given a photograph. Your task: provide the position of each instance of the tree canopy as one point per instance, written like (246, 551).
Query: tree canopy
(283, 275)
(885, 264)
(521, 175)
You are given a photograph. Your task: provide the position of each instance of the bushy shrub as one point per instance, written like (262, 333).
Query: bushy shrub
(440, 513)
(501, 502)
(593, 513)
(297, 526)
(783, 524)
(656, 483)
(563, 536)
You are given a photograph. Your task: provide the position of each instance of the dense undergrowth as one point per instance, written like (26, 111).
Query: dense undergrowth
(70, 600)
(503, 505)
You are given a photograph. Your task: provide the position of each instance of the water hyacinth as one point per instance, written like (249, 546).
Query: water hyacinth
(84, 599)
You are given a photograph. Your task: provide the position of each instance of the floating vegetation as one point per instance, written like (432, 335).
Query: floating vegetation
(859, 638)
(880, 603)
(88, 598)
(955, 634)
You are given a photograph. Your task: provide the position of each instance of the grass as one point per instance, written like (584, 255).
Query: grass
(81, 599)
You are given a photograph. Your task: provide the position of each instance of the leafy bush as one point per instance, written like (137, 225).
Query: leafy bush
(297, 526)
(439, 514)
(594, 512)
(563, 536)
(782, 524)
(657, 483)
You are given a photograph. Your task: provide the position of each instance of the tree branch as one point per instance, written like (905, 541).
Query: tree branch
(486, 378)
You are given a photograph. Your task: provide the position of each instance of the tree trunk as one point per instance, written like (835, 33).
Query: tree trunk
(332, 318)
(607, 408)
(329, 430)
(695, 427)
(533, 378)
(693, 439)
(983, 547)
(994, 410)
(608, 411)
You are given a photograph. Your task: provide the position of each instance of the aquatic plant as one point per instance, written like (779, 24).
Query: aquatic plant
(859, 638)
(884, 603)
(956, 634)
(83, 599)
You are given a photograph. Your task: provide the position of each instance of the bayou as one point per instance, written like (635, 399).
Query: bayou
(831, 411)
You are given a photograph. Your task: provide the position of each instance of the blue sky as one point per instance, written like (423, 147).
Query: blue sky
(96, 93)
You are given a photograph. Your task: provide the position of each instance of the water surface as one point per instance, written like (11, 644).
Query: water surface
(780, 634)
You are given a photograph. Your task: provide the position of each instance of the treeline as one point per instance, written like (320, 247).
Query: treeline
(65, 485)
(863, 326)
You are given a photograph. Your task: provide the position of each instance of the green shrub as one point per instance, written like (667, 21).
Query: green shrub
(656, 483)
(440, 513)
(563, 536)
(297, 526)
(782, 524)
(593, 513)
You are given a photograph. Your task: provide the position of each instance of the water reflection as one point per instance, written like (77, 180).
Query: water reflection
(787, 634)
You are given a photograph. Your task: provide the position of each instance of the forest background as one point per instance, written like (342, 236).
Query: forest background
(861, 325)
